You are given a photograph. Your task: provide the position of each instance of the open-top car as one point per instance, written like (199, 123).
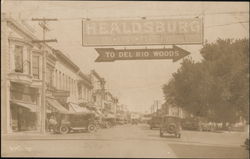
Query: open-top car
(170, 125)
(76, 122)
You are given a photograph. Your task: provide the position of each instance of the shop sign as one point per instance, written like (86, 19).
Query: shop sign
(142, 32)
(111, 54)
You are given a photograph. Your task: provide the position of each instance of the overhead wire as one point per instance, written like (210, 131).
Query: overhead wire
(151, 16)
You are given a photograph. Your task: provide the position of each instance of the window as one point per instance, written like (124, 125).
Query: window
(28, 62)
(56, 80)
(63, 82)
(79, 91)
(18, 58)
(60, 80)
(35, 67)
(49, 76)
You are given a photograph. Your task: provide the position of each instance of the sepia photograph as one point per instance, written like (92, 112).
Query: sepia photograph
(124, 79)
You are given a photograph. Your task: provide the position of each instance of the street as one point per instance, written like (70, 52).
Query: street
(126, 141)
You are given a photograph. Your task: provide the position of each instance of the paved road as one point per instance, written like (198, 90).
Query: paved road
(126, 141)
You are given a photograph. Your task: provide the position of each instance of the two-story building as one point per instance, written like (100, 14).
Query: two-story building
(110, 103)
(36, 80)
(98, 90)
(21, 77)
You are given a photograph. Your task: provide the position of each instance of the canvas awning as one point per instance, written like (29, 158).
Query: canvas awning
(109, 115)
(76, 108)
(31, 107)
(54, 103)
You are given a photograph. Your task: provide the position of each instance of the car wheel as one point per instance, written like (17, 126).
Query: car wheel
(91, 128)
(179, 135)
(64, 129)
(171, 128)
(161, 134)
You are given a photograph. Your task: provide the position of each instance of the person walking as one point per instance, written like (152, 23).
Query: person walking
(53, 123)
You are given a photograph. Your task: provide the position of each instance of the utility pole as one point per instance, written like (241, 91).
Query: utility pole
(43, 25)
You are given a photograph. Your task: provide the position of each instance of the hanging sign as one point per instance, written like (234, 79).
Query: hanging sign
(142, 32)
(111, 54)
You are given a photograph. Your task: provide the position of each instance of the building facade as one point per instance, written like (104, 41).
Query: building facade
(98, 94)
(24, 106)
(21, 77)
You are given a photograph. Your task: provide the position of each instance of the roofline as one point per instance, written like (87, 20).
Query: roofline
(20, 27)
(84, 76)
(96, 74)
(64, 57)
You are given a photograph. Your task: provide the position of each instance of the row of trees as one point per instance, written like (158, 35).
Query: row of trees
(216, 88)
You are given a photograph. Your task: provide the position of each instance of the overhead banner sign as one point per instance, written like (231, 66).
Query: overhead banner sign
(142, 32)
(111, 54)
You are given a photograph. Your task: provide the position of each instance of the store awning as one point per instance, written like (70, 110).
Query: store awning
(109, 115)
(77, 108)
(54, 103)
(31, 107)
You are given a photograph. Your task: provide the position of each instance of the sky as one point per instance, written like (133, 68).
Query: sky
(136, 83)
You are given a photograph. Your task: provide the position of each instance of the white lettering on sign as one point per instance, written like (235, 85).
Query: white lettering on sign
(148, 27)
(145, 27)
(159, 27)
(138, 32)
(142, 54)
(136, 28)
(103, 28)
(125, 54)
(169, 53)
(183, 27)
(115, 29)
(110, 54)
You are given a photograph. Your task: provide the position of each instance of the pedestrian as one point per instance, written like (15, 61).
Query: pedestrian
(53, 123)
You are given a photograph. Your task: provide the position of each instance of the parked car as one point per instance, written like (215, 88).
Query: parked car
(208, 126)
(191, 124)
(120, 121)
(155, 122)
(134, 121)
(246, 143)
(77, 122)
(170, 125)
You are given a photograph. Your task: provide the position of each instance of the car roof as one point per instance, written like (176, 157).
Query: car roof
(171, 116)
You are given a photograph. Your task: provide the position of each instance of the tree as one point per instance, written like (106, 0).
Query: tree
(217, 87)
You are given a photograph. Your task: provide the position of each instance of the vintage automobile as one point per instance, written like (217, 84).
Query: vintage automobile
(170, 125)
(77, 122)
(246, 144)
(191, 124)
(155, 122)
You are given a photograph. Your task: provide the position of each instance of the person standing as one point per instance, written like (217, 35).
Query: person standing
(53, 123)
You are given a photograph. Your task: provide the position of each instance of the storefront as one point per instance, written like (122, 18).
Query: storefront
(23, 107)
(54, 108)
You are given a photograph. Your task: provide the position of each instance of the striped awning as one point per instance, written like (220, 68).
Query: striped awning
(76, 108)
(31, 107)
(51, 102)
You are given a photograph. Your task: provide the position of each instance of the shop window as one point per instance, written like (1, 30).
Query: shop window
(35, 67)
(25, 94)
(18, 58)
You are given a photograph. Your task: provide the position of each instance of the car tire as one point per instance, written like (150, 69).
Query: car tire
(91, 128)
(179, 135)
(64, 129)
(171, 128)
(161, 134)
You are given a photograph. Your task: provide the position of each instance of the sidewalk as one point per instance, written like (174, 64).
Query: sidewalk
(222, 138)
(27, 136)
